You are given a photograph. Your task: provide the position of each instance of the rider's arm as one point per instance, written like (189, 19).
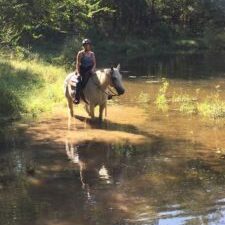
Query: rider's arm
(78, 58)
(94, 60)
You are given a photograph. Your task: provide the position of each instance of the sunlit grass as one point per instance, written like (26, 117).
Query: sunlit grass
(161, 99)
(186, 103)
(188, 108)
(143, 98)
(178, 98)
(29, 87)
(212, 106)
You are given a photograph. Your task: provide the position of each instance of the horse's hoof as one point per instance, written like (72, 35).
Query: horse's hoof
(76, 101)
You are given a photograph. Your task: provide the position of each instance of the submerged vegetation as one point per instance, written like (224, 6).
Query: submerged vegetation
(212, 106)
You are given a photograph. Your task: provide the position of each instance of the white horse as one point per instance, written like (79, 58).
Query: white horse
(95, 91)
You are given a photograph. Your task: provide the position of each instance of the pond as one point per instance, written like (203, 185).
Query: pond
(141, 166)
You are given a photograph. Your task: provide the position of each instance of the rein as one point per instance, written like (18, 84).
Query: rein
(111, 92)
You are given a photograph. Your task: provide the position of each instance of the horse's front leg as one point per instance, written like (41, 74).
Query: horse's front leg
(101, 110)
(69, 101)
(70, 106)
(92, 111)
(87, 108)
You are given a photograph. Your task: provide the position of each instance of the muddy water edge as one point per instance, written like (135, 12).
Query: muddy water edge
(141, 166)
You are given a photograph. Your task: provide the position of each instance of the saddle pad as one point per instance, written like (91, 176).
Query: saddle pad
(71, 79)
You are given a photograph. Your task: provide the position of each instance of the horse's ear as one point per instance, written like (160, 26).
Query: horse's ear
(118, 67)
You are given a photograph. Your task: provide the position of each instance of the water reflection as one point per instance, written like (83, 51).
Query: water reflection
(152, 187)
(167, 180)
(92, 167)
(178, 66)
(139, 167)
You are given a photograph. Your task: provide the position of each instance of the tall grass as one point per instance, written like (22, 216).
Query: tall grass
(161, 100)
(29, 87)
(212, 106)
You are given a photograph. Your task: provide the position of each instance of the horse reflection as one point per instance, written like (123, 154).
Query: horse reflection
(92, 160)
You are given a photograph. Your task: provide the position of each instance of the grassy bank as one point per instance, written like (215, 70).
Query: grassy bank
(29, 87)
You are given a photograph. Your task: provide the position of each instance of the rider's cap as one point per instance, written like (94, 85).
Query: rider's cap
(86, 41)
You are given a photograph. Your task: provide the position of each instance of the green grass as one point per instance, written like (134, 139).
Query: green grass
(211, 107)
(143, 98)
(161, 99)
(29, 87)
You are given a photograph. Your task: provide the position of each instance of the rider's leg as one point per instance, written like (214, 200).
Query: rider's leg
(85, 78)
(82, 81)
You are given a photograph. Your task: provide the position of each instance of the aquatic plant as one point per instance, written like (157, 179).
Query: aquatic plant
(186, 103)
(161, 100)
(188, 107)
(212, 107)
(143, 98)
(177, 98)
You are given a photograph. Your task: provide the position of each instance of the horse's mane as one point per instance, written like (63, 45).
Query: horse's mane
(101, 76)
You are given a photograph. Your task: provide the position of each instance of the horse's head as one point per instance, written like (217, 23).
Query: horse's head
(116, 80)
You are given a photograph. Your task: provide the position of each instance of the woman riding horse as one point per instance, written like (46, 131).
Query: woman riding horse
(85, 67)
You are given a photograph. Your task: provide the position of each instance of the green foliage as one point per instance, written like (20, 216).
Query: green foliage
(180, 98)
(69, 51)
(186, 103)
(161, 100)
(143, 98)
(45, 19)
(188, 107)
(214, 38)
(29, 87)
(212, 107)
(178, 23)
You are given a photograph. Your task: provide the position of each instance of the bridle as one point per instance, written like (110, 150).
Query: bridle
(109, 92)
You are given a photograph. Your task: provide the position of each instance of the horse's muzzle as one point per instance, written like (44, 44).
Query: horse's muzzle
(120, 91)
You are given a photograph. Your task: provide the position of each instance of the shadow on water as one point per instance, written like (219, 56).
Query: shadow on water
(160, 181)
(133, 169)
(109, 125)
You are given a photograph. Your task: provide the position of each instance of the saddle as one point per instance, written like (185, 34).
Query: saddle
(77, 84)
(74, 80)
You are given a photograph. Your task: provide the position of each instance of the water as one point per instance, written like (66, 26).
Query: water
(192, 66)
(140, 167)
